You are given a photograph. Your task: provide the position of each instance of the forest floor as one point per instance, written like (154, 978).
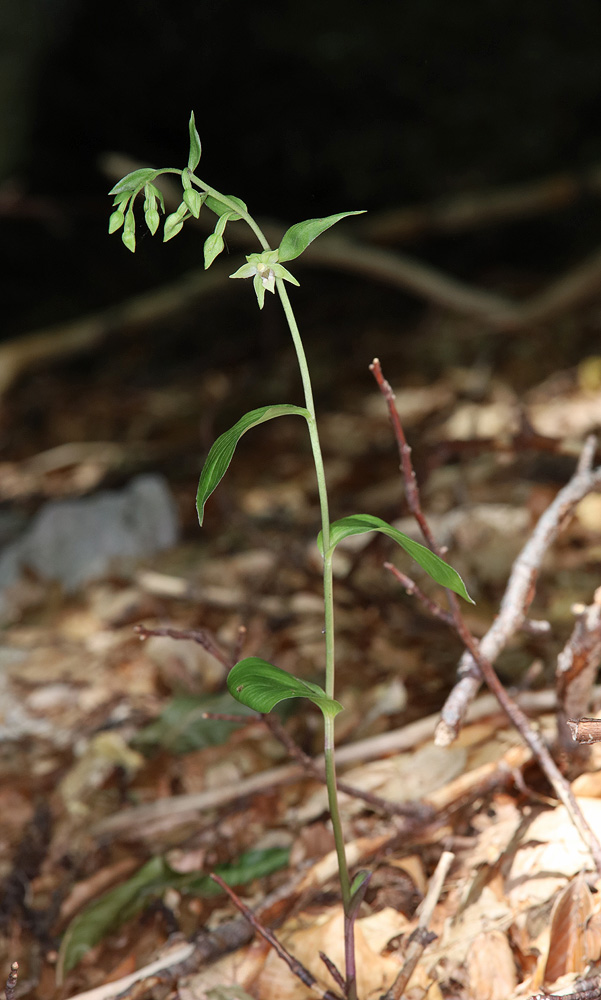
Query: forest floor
(118, 799)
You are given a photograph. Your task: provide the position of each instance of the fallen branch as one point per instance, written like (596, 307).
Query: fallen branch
(11, 982)
(517, 600)
(180, 808)
(577, 667)
(519, 592)
(296, 967)
(421, 936)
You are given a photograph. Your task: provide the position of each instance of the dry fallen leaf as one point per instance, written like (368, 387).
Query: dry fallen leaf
(324, 932)
(567, 945)
(491, 967)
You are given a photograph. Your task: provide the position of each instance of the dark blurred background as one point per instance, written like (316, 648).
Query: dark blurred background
(303, 109)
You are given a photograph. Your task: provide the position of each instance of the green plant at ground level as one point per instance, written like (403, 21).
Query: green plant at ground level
(252, 681)
(112, 909)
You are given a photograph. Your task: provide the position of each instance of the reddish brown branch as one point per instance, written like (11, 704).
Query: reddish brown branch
(421, 937)
(296, 967)
(475, 663)
(411, 587)
(11, 982)
(199, 635)
(417, 813)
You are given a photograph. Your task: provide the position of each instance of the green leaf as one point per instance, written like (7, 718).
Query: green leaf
(222, 222)
(213, 246)
(220, 207)
(129, 240)
(358, 889)
(109, 912)
(195, 146)
(116, 221)
(193, 200)
(135, 180)
(173, 226)
(180, 728)
(260, 685)
(152, 219)
(437, 568)
(297, 238)
(220, 455)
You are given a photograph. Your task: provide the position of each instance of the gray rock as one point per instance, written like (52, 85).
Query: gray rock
(75, 541)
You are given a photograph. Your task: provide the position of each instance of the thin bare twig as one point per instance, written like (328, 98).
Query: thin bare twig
(296, 967)
(586, 989)
(200, 635)
(421, 937)
(411, 587)
(577, 666)
(334, 971)
(181, 807)
(417, 812)
(519, 592)
(585, 730)
(11, 982)
(226, 717)
(518, 597)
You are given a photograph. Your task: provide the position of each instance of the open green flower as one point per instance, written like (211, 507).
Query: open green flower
(263, 268)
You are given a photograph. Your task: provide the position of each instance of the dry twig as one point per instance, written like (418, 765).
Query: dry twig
(421, 937)
(514, 607)
(577, 666)
(519, 592)
(11, 982)
(296, 967)
(202, 636)
(180, 808)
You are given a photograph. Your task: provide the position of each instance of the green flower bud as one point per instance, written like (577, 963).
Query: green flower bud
(152, 219)
(129, 231)
(193, 201)
(116, 221)
(173, 225)
(129, 240)
(212, 248)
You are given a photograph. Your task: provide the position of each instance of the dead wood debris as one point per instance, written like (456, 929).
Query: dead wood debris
(519, 592)
(11, 982)
(476, 663)
(577, 667)
(421, 937)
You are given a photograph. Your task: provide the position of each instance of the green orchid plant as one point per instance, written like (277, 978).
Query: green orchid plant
(254, 682)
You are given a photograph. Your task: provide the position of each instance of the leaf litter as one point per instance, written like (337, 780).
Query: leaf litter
(101, 726)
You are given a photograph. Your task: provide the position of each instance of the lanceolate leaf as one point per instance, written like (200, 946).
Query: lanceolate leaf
(434, 566)
(219, 207)
(213, 246)
(222, 451)
(134, 180)
(297, 238)
(107, 913)
(195, 147)
(261, 686)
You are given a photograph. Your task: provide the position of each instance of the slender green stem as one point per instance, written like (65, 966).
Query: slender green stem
(328, 593)
(234, 208)
(328, 582)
